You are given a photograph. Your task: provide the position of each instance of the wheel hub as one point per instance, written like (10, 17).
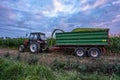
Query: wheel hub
(94, 53)
(80, 52)
(33, 47)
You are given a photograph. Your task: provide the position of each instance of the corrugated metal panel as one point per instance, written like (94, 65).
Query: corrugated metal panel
(82, 38)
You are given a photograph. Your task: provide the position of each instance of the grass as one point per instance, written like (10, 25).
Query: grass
(16, 70)
(96, 65)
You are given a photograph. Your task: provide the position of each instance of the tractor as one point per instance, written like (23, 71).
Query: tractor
(36, 42)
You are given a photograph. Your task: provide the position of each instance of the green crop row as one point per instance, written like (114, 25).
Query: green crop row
(114, 46)
(15, 42)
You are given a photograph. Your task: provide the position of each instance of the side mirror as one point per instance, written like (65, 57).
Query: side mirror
(26, 35)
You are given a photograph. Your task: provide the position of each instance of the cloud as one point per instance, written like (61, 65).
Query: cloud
(109, 23)
(5, 13)
(59, 8)
(83, 1)
(116, 2)
(96, 4)
(116, 19)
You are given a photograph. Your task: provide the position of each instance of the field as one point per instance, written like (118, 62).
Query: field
(57, 65)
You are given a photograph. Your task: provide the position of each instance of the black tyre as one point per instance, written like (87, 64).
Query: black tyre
(34, 47)
(80, 52)
(21, 48)
(94, 52)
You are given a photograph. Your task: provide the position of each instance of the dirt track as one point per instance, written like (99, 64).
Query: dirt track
(46, 58)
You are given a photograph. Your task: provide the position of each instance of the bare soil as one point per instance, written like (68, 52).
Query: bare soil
(47, 58)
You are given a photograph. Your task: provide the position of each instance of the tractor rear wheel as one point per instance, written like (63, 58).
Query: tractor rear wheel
(34, 47)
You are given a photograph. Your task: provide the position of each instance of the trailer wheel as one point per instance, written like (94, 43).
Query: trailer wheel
(94, 52)
(34, 47)
(21, 48)
(80, 52)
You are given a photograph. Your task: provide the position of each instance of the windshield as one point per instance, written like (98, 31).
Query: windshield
(33, 37)
(43, 37)
(37, 37)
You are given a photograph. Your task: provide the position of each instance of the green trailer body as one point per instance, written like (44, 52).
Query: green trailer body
(83, 38)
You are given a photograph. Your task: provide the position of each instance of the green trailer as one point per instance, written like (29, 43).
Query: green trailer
(85, 41)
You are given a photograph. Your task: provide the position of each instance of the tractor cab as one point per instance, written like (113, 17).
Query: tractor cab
(37, 36)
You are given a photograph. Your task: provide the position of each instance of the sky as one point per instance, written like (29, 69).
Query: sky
(20, 17)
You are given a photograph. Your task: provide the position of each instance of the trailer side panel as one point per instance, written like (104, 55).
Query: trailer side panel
(82, 38)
